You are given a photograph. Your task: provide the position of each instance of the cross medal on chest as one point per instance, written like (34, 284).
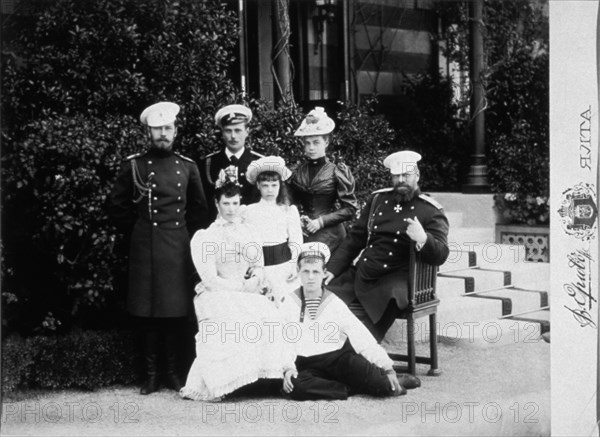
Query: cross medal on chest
(397, 208)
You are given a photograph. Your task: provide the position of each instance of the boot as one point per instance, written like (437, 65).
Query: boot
(172, 380)
(150, 344)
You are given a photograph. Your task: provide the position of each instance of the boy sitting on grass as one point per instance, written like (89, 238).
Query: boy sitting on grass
(336, 356)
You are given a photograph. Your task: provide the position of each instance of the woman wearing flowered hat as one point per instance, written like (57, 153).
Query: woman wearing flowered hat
(318, 184)
(233, 346)
(276, 222)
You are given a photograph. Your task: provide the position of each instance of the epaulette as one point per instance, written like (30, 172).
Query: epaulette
(383, 190)
(211, 154)
(429, 199)
(257, 154)
(185, 157)
(135, 155)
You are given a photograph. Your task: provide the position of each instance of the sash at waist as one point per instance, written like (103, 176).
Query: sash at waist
(277, 254)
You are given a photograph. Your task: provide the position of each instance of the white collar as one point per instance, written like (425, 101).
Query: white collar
(220, 221)
(238, 154)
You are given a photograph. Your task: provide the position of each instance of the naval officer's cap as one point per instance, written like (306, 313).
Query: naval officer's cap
(160, 114)
(314, 249)
(402, 162)
(233, 114)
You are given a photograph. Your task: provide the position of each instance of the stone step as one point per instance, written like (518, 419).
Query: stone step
(541, 317)
(450, 287)
(495, 332)
(488, 332)
(479, 279)
(516, 300)
(531, 275)
(460, 312)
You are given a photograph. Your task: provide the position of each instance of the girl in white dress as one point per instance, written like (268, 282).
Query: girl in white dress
(276, 222)
(235, 345)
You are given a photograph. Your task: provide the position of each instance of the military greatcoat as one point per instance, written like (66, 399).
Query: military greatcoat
(380, 241)
(211, 166)
(159, 197)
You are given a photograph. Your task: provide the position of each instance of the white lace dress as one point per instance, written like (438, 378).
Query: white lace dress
(237, 341)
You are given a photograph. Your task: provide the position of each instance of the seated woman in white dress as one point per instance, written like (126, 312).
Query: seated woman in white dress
(276, 222)
(234, 345)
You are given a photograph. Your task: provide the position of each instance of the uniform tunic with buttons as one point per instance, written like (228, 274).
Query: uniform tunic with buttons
(168, 208)
(319, 195)
(211, 166)
(381, 271)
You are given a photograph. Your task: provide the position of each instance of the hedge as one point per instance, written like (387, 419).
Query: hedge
(81, 359)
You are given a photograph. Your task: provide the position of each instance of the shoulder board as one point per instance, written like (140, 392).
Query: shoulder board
(383, 190)
(257, 154)
(211, 154)
(135, 155)
(431, 200)
(185, 157)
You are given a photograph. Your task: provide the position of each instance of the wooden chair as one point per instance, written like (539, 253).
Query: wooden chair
(422, 301)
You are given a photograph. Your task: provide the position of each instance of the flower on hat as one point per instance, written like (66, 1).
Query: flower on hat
(228, 174)
(315, 123)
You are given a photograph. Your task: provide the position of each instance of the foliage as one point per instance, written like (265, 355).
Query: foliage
(362, 140)
(530, 210)
(75, 76)
(517, 86)
(80, 359)
(60, 246)
(273, 130)
(436, 132)
(118, 56)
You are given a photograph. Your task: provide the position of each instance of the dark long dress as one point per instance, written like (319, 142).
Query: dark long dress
(324, 189)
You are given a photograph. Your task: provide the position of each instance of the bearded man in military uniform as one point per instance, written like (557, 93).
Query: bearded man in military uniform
(376, 286)
(158, 197)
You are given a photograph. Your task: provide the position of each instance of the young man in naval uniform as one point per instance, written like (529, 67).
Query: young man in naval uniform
(233, 120)
(336, 356)
(376, 286)
(158, 198)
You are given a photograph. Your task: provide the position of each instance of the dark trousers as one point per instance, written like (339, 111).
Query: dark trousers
(164, 340)
(379, 329)
(337, 375)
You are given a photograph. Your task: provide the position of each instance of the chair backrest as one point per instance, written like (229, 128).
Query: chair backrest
(421, 280)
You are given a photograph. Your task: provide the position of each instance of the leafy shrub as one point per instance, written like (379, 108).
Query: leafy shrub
(362, 140)
(76, 75)
(434, 129)
(118, 56)
(516, 80)
(60, 248)
(81, 359)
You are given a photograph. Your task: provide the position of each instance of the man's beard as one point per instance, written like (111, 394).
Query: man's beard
(165, 145)
(404, 193)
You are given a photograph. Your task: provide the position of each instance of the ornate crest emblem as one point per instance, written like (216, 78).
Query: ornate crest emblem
(578, 211)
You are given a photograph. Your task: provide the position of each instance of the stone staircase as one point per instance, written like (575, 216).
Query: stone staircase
(488, 293)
